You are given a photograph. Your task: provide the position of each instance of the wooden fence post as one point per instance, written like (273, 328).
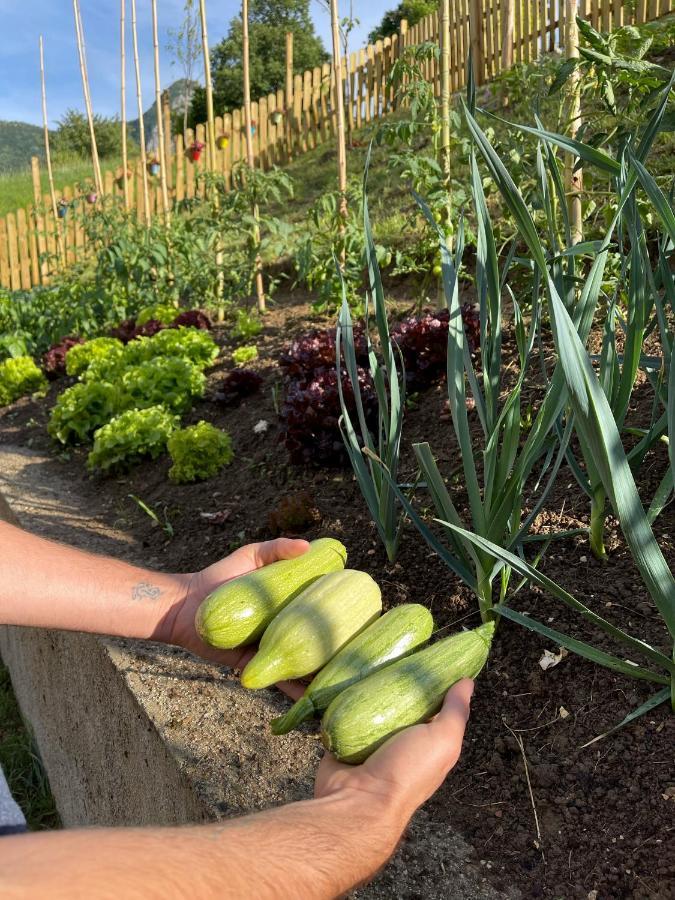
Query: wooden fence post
(39, 218)
(476, 7)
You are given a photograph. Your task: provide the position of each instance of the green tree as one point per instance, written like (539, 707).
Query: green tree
(269, 20)
(72, 136)
(412, 10)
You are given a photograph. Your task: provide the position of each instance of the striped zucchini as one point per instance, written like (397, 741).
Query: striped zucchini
(238, 612)
(313, 627)
(398, 633)
(405, 693)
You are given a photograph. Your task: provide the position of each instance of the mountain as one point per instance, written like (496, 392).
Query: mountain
(176, 100)
(18, 142)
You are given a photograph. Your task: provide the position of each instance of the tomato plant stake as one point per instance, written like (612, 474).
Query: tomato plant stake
(139, 102)
(48, 156)
(123, 101)
(79, 32)
(259, 288)
(160, 123)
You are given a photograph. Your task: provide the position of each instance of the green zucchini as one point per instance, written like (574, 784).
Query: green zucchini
(404, 693)
(313, 627)
(398, 633)
(238, 612)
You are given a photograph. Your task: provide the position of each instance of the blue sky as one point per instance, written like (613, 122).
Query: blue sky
(24, 20)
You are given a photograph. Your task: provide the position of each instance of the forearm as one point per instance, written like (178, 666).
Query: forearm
(55, 586)
(305, 851)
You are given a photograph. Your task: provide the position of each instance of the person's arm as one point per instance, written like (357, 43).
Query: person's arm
(313, 850)
(51, 585)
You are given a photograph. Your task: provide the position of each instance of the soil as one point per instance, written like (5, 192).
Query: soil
(544, 815)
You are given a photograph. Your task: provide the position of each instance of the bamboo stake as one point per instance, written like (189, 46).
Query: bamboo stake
(211, 132)
(340, 109)
(211, 138)
(48, 156)
(139, 101)
(79, 32)
(445, 96)
(123, 101)
(259, 287)
(289, 94)
(573, 180)
(160, 123)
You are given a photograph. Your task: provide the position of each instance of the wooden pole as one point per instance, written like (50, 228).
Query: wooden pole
(139, 102)
(123, 101)
(340, 110)
(288, 94)
(211, 129)
(160, 123)
(476, 7)
(509, 24)
(79, 32)
(445, 94)
(166, 118)
(259, 287)
(574, 181)
(48, 156)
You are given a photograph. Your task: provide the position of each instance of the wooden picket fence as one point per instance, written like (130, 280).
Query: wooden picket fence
(34, 244)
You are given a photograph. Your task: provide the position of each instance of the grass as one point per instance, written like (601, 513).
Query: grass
(21, 764)
(16, 188)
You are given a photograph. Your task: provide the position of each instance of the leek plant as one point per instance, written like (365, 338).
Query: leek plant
(644, 305)
(596, 424)
(389, 383)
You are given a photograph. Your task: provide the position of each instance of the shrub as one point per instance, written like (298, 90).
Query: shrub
(20, 376)
(423, 342)
(171, 381)
(193, 318)
(83, 408)
(242, 355)
(239, 384)
(198, 452)
(80, 356)
(316, 350)
(162, 313)
(54, 359)
(311, 412)
(131, 436)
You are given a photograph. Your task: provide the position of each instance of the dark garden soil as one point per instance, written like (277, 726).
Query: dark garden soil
(589, 823)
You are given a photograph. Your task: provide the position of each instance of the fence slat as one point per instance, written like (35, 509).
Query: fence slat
(5, 278)
(13, 253)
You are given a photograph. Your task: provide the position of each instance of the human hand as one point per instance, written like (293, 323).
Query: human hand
(407, 769)
(180, 624)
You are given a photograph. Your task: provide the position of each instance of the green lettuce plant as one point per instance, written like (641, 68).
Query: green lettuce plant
(198, 452)
(191, 344)
(160, 312)
(20, 376)
(104, 348)
(170, 382)
(131, 437)
(243, 355)
(82, 408)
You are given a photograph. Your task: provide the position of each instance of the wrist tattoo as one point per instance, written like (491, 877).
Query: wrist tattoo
(145, 591)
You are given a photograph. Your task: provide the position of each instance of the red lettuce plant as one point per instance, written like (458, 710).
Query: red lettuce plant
(128, 330)
(311, 412)
(54, 359)
(316, 350)
(193, 318)
(423, 343)
(238, 384)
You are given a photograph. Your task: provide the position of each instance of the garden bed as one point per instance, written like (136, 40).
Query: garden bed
(604, 813)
